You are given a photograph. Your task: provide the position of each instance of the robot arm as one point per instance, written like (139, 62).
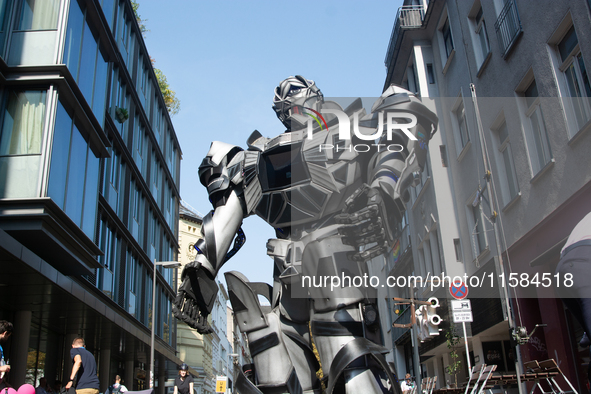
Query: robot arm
(373, 213)
(221, 173)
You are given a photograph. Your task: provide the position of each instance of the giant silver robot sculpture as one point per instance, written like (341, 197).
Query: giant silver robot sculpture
(335, 203)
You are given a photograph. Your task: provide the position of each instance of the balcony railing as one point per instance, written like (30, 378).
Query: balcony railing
(508, 27)
(407, 17)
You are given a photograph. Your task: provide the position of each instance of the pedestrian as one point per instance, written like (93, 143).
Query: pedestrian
(84, 369)
(407, 384)
(43, 387)
(57, 386)
(183, 384)
(5, 332)
(117, 387)
(575, 263)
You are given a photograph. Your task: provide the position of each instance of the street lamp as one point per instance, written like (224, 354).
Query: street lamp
(166, 264)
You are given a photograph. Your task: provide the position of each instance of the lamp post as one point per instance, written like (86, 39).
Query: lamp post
(167, 264)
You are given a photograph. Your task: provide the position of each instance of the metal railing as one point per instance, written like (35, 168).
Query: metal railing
(508, 27)
(407, 17)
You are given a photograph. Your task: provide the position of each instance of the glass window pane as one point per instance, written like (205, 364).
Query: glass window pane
(60, 151)
(108, 10)
(87, 64)
(76, 173)
(509, 172)
(90, 194)
(584, 75)
(73, 38)
(23, 123)
(38, 15)
(100, 89)
(503, 133)
(531, 93)
(568, 43)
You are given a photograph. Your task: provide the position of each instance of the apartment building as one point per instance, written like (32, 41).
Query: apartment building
(89, 192)
(508, 175)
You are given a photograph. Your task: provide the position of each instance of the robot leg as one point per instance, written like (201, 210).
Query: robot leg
(282, 358)
(345, 324)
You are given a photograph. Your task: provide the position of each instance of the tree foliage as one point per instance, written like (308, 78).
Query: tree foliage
(172, 102)
(452, 341)
(140, 21)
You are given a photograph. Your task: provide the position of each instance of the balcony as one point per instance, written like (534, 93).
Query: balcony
(407, 17)
(508, 27)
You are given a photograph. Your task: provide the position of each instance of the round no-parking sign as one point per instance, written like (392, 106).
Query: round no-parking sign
(458, 290)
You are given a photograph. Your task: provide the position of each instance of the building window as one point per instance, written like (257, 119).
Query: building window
(577, 89)
(478, 236)
(447, 38)
(536, 135)
(22, 127)
(114, 178)
(430, 73)
(110, 245)
(73, 173)
(458, 249)
(480, 36)
(21, 136)
(132, 284)
(507, 174)
(435, 255)
(411, 79)
(38, 15)
(85, 60)
(460, 125)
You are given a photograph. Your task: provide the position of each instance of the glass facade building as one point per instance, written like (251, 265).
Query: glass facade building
(89, 192)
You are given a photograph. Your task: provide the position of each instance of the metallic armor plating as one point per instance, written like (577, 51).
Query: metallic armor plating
(333, 210)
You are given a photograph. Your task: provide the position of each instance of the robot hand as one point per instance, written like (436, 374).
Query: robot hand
(196, 297)
(364, 224)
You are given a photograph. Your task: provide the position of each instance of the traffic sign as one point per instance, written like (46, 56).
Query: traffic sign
(220, 384)
(461, 305)
(462, 316)
(458, 290)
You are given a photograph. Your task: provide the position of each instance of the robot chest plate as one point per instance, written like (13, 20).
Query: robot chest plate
(298, 183)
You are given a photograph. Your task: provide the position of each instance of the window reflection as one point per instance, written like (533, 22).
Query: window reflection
(73, 173)
(22, 128)
(38, 15)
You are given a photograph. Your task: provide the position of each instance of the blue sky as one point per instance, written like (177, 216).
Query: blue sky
(224, 58)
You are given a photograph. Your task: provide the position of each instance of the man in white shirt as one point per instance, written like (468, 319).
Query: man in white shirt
(407, 384)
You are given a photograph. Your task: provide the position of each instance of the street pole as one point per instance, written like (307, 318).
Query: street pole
(169, 264)
(153, 331)
(467, 349)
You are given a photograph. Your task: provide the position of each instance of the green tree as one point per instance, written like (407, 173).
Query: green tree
(172, 102)
(135, 5)
(452, 341)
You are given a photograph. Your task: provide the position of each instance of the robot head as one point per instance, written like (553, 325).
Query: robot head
(292, 94)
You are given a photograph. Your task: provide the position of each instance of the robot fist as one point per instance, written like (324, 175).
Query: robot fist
(195, 297)
(365, 225)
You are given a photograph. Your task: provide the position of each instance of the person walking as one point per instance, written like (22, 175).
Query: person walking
(43, 387)
(5, 333)
(183, 384)
(84, 369)
(117, 387)
(407, 384)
